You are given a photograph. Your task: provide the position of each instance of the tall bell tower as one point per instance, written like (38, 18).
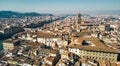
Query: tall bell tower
(78, 22)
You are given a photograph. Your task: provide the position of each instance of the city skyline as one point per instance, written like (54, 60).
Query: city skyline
(59, 33)
(61, 6)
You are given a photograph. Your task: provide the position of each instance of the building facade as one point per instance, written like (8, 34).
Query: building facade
(94, 54)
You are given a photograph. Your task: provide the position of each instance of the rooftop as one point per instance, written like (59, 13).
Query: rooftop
(10, 41)
(95, 45)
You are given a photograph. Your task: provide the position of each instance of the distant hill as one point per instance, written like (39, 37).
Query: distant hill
(12, 14)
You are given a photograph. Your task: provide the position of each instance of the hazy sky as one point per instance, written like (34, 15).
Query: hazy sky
(59, 6)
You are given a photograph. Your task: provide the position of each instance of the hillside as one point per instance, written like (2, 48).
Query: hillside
(11, 14)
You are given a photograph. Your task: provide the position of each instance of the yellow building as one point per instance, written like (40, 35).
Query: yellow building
(9, 44)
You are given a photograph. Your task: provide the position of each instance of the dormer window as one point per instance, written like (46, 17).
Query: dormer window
(87, 43)
(84, 43)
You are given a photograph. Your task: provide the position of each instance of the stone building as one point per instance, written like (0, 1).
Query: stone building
(92, 48)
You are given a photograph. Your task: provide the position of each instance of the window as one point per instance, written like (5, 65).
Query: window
(84, 43)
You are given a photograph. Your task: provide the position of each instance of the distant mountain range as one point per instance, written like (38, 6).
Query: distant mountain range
(12, 14)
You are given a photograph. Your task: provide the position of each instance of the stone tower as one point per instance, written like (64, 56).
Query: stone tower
(78, 22)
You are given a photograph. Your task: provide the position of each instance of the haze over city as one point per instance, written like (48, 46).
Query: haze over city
(59, 32)
(62, 6)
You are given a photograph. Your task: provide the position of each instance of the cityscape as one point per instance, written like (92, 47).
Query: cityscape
(59, 33)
